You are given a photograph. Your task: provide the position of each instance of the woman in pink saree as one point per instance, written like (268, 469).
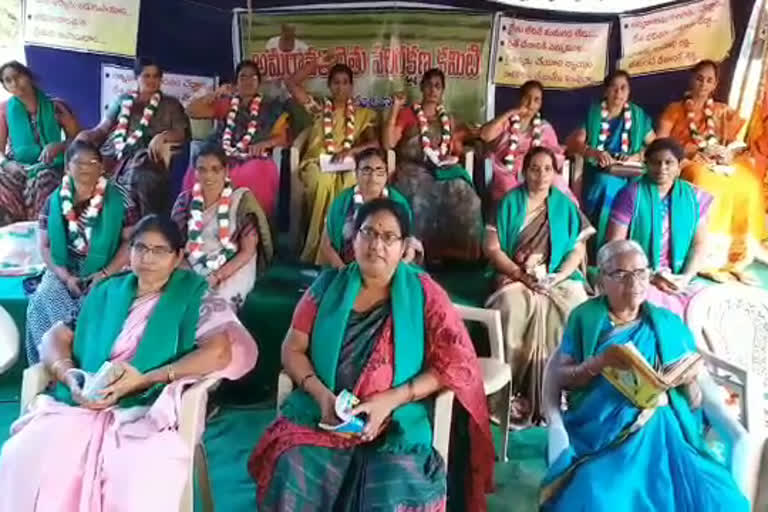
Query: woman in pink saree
(119, 449)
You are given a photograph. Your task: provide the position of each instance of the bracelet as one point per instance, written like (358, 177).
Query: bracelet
(303, 380)
(56, 364)
(171, 373)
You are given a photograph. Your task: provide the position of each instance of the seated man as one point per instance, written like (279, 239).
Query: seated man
(622, 458)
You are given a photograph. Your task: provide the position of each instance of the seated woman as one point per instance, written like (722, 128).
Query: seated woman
(447, 210)
(226, 232)
(667, 217)
(622, 458)
(535, 246)
(513, 133)
(615, 132)
(340, 130)
(385, 331)
(31, 125)
(120, 449)
(703, 127)
(250, 126)
(84, 228)
(136, 135)
(336, 247)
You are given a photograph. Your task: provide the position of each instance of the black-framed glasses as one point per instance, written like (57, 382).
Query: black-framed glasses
(640, 274)
(378, 172)
(387, 238)
(155, 250)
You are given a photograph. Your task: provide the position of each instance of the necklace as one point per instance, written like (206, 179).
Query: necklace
(445, 130)
(121, 144)
(81, 237)
(240, 149)
(709, 138)
(195, 229)
(514, 138)
(349, 126)
(605, 127)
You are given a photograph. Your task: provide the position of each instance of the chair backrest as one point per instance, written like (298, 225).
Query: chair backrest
(491, 319)
(9, 341)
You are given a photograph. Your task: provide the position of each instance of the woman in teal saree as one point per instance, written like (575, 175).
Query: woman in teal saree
(663, 461)
(385, 331)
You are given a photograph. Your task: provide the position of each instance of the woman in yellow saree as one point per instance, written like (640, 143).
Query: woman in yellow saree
(704, 127)
(340, 130)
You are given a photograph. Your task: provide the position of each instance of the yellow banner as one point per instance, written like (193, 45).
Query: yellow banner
(676, 37)
(559, 55)
(107, 26)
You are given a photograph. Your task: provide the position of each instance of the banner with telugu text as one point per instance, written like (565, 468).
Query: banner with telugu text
(676, 37)
(100, 26)
(559, 55)
(388, 50)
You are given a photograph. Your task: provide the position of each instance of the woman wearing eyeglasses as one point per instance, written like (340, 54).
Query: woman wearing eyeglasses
(336, 246)
(667, 216)
(84, 226)
(385, 331)
(121, 449)
(535, 245)
(644, 458)
(227, 235)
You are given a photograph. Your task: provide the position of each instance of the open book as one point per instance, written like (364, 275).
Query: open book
(328, 165)
(640, 383)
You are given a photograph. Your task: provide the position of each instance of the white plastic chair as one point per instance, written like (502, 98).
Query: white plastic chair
(297, 190)
(468, 161)
(9, 341)
(191, 427)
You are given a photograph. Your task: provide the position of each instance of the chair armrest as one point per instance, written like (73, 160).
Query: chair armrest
(34, 381)
(469, 161)
(557, 436)
(441, 433)
(760, 495)
(9, 341)
(284, 388)
(194, 401)
(391, 161)
(576, 169)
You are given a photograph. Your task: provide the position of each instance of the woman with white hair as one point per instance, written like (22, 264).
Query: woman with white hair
(664, 462)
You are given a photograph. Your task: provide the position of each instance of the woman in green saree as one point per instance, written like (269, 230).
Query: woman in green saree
(388, 333)
(623, 458)
(36, 129)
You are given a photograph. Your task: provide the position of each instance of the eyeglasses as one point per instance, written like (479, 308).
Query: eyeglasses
(388, 238)
(155, 250)
(378, 172)
(640, 274)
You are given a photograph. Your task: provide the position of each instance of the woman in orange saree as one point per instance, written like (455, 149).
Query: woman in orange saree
(704, 128)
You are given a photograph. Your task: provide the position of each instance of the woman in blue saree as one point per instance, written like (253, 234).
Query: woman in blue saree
(622, 458)
(616, 131)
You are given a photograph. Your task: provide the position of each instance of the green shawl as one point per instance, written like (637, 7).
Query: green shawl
(641, 125)
(337, 214)
(646, 228)
(453, 172)
(336, 291)
(24, 143)
(169, 333)
(673, 340)
(562, 217)
(106, 235)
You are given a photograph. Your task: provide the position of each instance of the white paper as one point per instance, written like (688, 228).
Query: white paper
(326, 165)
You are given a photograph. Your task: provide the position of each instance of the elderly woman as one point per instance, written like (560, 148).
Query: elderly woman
(226, 232)
(341, 129)
(535, 246)
(704, 127)
(664, 464)
(336, 247)
(615, 133)
(388, 333)
(34, 128)
(84, 228)
(136, 136)
(250, 126)
(120, 449)
(428, 141)
(513, 133)
(667, 217)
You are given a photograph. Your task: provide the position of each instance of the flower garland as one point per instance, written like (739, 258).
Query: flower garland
(195, 229)
(709, 138)
(349, 126)
(514, 138)
(81, 237)
(240, 150)
(357, 198)
(605, 127)
(445, 130)
(123, 119)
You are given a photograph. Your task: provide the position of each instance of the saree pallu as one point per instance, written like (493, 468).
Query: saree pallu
(245, 217)
(737, 216)
(302, 468)
(25, 187)
(664, 463)
(321, 188)
(601, 187)
(446, 209)
(148, 182)
(72, 459)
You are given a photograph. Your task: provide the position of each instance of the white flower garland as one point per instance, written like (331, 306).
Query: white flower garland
(514, 138)
(349, 126)
(240, 150)
(445, 132)
(710, 138)
(121, 144)
(195, 229)
(605, 127)
(81, 238)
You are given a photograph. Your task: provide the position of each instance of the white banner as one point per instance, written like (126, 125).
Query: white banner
(117, 80)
